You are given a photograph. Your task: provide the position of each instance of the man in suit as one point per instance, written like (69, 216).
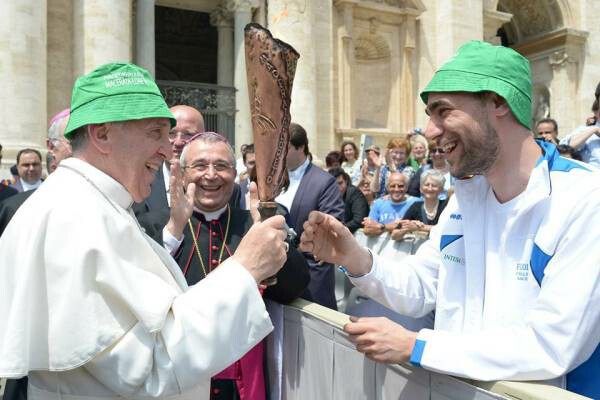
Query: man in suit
(310, 189)
(356, 207)
(201, 230)
(29, 167)
(6, 192)
(60, 149)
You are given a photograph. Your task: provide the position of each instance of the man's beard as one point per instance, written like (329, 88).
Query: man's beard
(479, 155)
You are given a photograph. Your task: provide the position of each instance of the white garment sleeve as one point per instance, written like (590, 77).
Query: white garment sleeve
(408, 287)
(170, 242)
(207, 328)
(559, 332)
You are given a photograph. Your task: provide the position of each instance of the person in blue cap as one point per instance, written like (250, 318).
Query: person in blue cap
(511, 268)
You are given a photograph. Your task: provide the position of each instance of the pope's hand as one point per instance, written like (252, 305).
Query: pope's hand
(262, 250)
(182, 202)
(330, 241)
(380, 339)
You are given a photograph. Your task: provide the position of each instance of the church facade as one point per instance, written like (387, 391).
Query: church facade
(362, 63)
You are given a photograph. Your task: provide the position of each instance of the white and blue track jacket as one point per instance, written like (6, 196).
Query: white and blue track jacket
(535, 318)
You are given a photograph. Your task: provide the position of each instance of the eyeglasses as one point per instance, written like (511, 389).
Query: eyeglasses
(57, 142)
(437, 150)
(202, 167)
(185, 136)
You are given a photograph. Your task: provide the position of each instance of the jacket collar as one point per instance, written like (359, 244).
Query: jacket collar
(539, 187)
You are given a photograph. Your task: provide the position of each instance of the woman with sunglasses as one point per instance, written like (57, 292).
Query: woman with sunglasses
(438, 162)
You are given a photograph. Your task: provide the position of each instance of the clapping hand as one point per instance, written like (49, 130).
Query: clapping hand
(182, 202)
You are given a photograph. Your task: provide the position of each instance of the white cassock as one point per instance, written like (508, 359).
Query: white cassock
(92, 308)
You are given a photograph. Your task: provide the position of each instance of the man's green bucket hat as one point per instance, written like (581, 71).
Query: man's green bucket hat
(116, 92)
(478, 67)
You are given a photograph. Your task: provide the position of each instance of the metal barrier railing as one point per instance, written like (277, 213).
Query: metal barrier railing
(316, 332)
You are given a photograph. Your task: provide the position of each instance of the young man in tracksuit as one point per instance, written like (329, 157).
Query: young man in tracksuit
(512, 268)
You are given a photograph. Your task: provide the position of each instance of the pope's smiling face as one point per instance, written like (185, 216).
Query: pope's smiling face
(212, 168)
(139, 148)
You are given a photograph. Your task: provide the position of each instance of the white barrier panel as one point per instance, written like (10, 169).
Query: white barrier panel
(318, 362)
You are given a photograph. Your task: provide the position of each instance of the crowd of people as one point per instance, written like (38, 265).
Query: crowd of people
(156, 262)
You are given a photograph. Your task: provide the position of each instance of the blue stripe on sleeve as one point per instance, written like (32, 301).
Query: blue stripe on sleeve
(539, 261)
(417, 353)
(447, 239)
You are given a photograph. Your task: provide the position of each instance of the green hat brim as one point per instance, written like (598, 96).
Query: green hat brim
(463, 81)
(118, 108)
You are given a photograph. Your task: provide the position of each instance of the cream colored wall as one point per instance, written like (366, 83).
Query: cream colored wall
(307, 26)
(22, 75)
(590, 72)
(60, 55)
(102, 33)
(44, 46)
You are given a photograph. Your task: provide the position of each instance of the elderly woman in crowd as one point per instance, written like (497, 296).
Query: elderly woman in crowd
(350, 162)
(396, 161)
(422, 216)
(437, 162)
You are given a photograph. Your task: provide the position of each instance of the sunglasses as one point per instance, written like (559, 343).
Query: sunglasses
(437, 150)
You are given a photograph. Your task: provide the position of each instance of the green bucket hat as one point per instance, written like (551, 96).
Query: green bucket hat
(115, 92)
(479, 66)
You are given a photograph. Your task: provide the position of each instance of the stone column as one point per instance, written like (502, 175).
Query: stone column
(564, 76)
(242, 15)
(23, 76)
(407, 97)
(346, 74)
(102, 33)
(455, 26)
(145, 49)
(293, 22)
(223, 20)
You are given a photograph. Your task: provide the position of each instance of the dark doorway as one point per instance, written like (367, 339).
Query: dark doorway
(186, 46)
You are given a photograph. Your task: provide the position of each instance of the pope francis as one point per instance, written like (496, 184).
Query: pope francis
(90, 306)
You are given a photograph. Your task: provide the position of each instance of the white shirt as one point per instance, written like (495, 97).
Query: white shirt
(287, 198)
(167, 178)
(93, 308)
(27, 186)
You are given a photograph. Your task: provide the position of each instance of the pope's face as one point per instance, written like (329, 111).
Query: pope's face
(211, 167)
(139, 148)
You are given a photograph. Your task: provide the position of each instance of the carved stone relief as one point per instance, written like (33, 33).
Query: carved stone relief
(541, 103)
(369, 47)
(531, 18)
(394, 3)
